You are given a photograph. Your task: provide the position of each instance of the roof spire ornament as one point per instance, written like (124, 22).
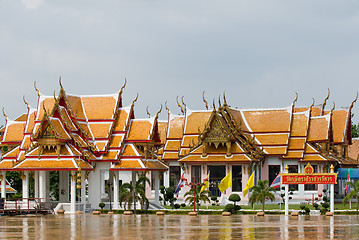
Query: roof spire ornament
(352, 104)
(135, 100)
(185, 106)
(3, 112)
(214, 106)
(168, 110)
(295, 100)
(224, 99)
(60, 82)
(37, 90)
(333, 107)
(149, 115)
(204, 100)
(325, 101)
(159, 112)
(179, 105)
(312, 104)
(27, 104)
(123, 87)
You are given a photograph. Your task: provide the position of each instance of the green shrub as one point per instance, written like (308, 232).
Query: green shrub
(101, 205)
(177, 206)
(302, 206)
(307, 210)
(315, 205)
(183, 205)
(229, 208)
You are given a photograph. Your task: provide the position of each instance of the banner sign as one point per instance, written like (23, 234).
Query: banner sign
(308, 177)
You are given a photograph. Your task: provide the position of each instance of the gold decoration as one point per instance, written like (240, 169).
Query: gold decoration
(204, 100)
(179, 105)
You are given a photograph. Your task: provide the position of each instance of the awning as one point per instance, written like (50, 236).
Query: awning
(343, 173)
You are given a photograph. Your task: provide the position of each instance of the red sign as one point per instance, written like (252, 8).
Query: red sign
(315, 178)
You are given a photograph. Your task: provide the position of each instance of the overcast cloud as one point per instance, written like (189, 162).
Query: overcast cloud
(259, 52)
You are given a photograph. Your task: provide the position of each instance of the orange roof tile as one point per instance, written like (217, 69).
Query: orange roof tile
(273, 139)
(76, 106)
(6, 164)
(130, 150)
(315, 157)
(46, 101)
(235, 149)
(294, 154)
(196, 120)
(316, 111)
(175, 129)
(238, 117)
(170, 155)
(319, 128)
(268, 120)
(21, 118)
(215, 158)
(353, 150)
(300, 124)
(101, 145)
(140, 130)
(67, 120)
(155, 165)
(122, 119)
(12, 153)
(339, 125)
(111, 155)
(296, 143)
(116, 140)
(31, 122)
(162, 130)
(99, 107)
(14, 131)
(100, 130)
(50, 164)
(187, 140)
(275, 150)
(173, 145)
(60, 128)
(128, 164)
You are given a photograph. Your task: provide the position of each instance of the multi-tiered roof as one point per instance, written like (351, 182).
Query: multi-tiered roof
(68, 131)
(226, 134)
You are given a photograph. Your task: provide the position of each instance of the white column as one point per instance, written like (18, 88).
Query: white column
(73, 192)
(25, 185)
(42, 185)
(115, 190)
(332, 192)
(157, 188)
(3, 184)
(134, 185)
(36, 183)
(286, 198)
(64, 186)
(83, 188)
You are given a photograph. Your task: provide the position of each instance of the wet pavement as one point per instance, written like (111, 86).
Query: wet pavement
(178, 227)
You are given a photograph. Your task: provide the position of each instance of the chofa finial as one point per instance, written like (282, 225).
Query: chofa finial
(296, 98)
(3, 112)
(312, 103)
(325, 101)
(352, 104)
(224, 99)
(123, 87)
(135, 100)
(168, 110)
(158, 112)
(204, 100)
(37, 90)
(149, 115)
(27, 104)
(179, 105)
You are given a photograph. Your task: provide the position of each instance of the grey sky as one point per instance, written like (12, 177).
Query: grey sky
(259, 52)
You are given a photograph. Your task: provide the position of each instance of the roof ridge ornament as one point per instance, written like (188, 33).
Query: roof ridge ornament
(185, 106)
(325, 102)
(168, 110)
(60, 82)
(204, 100)
(149, 115)
(214, 106)
(224, 99)
(3, 112)
(333, 107)
(159, 112)
(312, 103)
(123, 87)
(27, 104)
(179, 105)
(135, 100)
(219, 101)
(37, 90)
(352, 104)
(296, 99)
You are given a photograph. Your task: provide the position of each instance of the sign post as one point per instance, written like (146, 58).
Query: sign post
(309, 177)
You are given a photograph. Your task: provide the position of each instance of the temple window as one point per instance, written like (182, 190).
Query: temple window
(273, 171)
(217, 173)
(236, 178)
(196, 174)
(175, 174)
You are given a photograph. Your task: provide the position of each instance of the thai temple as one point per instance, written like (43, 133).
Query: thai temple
(96, 142)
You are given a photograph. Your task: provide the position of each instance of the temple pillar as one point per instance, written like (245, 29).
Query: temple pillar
(73, 192)
(42, 185)
(3, 184)
(36, 184)
(83, 188)
(157, 187)
(134, 185)
(25, 185)
(115, 190)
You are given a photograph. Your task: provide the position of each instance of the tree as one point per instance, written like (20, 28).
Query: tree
(200, 196)
(355, 129)
(234, 198)
(354, 192)
(127, 192)
(261, 192)
(168, 194)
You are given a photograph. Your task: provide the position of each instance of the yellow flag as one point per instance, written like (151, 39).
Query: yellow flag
(205, 184)
(225, 183)
(249, 184)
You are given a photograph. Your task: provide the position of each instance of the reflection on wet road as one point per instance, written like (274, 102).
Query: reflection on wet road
(178, 227)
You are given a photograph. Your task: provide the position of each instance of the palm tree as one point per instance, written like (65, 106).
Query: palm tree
(354, 192)
(200, 196)
(127, 192)
(261, 192)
